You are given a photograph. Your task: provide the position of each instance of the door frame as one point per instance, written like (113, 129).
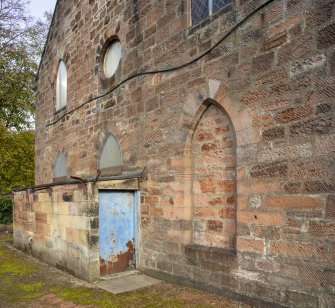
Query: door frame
(137, 213)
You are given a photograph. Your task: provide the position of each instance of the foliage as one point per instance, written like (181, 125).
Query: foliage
(6, 216)
(16, 159)
(16, 89)
(21, 45)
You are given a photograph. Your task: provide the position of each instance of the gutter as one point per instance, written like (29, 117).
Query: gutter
(131, 174)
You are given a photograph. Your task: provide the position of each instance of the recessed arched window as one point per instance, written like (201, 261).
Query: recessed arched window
(61, 86)
(112, 58)
(60, 171)
(110, 159)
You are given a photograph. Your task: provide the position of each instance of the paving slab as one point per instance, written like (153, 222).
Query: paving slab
(117, 285)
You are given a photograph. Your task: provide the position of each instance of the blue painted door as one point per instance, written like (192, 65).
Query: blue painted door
(116, 231)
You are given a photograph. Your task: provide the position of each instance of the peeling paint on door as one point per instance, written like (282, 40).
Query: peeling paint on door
(116, 231)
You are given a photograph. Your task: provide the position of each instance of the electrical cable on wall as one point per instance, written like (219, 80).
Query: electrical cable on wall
(167, 70)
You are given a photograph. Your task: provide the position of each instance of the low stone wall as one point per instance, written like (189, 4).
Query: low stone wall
(55, 225)
(59, 224)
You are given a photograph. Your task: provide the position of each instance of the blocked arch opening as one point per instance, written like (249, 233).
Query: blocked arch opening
(60, 169)
(213, 181)
(110, 158)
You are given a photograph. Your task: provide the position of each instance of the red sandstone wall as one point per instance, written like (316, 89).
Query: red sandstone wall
(274, 77)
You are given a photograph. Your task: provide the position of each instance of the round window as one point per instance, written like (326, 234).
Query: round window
(112, 58)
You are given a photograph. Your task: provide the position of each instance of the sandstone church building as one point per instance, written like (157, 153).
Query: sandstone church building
(193, 140)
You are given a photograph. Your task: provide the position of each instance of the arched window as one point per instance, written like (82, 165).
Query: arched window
(60, 171)
(110, 159)
(61, 86)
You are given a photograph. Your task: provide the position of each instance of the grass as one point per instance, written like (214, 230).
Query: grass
(24, 282)
(17, 267)
(101, 298)
(87, 296)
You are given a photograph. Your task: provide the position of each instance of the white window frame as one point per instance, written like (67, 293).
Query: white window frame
(210, 7)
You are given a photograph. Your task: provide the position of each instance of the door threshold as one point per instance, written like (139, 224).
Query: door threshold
(127, 283)
(117, 275)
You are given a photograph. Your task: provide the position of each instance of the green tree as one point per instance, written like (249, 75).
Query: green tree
(6, 216)
(21, 45)
(16, 159)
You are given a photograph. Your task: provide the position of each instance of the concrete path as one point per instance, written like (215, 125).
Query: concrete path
(117, 285)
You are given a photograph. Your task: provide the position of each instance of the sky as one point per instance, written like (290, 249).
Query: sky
(38, 7)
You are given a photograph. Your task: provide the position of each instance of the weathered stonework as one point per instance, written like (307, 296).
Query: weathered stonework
(236, 137)
(55, 225)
